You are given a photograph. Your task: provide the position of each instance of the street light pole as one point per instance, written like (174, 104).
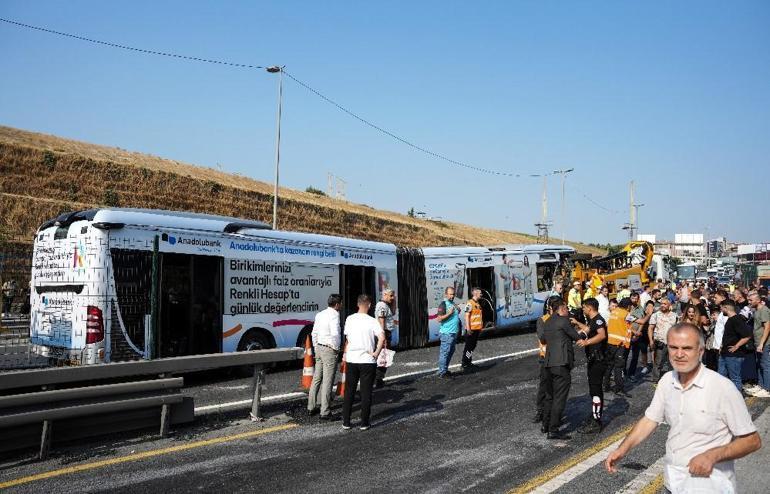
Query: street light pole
(563, 174)
(276, 69)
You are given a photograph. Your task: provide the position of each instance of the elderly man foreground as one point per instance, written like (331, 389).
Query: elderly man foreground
(710, 424)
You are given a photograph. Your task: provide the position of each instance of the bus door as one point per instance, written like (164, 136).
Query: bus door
(483, 278)
(190, 302)
(354, 281)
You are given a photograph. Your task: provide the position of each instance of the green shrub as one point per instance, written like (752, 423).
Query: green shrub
(315, 191)
(110, 198)
(49, 159)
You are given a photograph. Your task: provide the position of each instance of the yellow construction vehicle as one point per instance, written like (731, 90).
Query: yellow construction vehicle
(630, 266)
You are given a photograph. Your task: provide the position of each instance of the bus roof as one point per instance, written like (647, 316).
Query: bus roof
(155, 217)
(500, 249)
(119, 217)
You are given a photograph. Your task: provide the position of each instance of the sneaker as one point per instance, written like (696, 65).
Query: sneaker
(312, 412)
(750, 388)
(446, 375)
(761, 393)
(345, 427)
(645, 371)
(363, 428)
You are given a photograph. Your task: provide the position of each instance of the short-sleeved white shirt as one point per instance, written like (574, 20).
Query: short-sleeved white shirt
(663, 322)
(705, 415)
(361, 331)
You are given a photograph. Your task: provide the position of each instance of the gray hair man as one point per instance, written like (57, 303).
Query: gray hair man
(710, 424)
(384, 313)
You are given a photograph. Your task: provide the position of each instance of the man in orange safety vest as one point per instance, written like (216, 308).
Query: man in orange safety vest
(474, 321)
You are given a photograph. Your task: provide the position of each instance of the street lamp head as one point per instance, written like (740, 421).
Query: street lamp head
(273, 69)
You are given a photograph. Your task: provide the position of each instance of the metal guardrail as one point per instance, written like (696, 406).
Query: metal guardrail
(120, 397)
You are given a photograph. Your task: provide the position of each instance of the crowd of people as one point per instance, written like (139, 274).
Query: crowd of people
(625, 339)
(704, 346)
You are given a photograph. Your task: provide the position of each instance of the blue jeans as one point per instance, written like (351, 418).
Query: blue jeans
(730, 367)
(445, 352)
(764, 366)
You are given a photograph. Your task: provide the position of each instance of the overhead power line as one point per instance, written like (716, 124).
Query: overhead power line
(306, 86)
(131, 48)
(592, 201)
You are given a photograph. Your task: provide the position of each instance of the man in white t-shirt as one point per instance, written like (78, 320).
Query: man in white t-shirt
(710, 426)
(365, 339)
(604, 302)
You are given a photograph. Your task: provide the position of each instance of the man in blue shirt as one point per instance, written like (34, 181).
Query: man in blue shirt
(449, 321)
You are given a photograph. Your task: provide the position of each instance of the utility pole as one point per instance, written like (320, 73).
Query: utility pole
(341, 188)
(633, 210)
(542, 227)
(279, 70)
(563, 174)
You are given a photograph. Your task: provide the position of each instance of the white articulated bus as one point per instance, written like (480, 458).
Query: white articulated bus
(228, 284)
(515, 280)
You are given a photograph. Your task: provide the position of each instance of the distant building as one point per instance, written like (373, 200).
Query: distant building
(646, 238)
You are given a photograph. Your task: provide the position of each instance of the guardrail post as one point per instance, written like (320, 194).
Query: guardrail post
(165, 418)
(45, 439)
(259, 378)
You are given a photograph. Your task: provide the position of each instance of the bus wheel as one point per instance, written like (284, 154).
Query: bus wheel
(253, 340)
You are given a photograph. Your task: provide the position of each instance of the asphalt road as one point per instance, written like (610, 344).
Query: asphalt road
(471, 434)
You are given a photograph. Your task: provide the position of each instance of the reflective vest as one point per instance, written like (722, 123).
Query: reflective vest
(618, 329)
(574, 300)
(476, 322)
(541, 346)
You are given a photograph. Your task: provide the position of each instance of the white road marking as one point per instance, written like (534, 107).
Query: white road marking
(645, 478)
(290, 396)
(568, 475)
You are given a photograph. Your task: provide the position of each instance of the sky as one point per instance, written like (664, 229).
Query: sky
(672, 95)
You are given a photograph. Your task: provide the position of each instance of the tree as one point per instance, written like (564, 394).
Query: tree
(410, 213)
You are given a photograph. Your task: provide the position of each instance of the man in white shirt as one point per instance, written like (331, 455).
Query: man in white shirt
(645, 296)
(365, 339)
(326, 344)
(604, 302)
(660, 322)
(710, 426)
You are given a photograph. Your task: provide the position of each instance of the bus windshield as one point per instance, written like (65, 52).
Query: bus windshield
(686, 272)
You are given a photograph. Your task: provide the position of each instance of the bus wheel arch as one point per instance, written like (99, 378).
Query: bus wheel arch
(303, 334)
(256, 339)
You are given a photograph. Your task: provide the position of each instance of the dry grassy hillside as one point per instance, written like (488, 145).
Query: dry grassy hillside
(42, 176)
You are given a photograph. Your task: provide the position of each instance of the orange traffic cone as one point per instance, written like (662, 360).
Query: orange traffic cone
(343, 370)
(309, 366)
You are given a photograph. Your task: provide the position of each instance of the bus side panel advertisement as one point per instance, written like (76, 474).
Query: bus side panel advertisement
(279, 296)
(515, 290)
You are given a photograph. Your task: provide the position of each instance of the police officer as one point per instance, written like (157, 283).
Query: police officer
(595, 344)
(474, 321)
